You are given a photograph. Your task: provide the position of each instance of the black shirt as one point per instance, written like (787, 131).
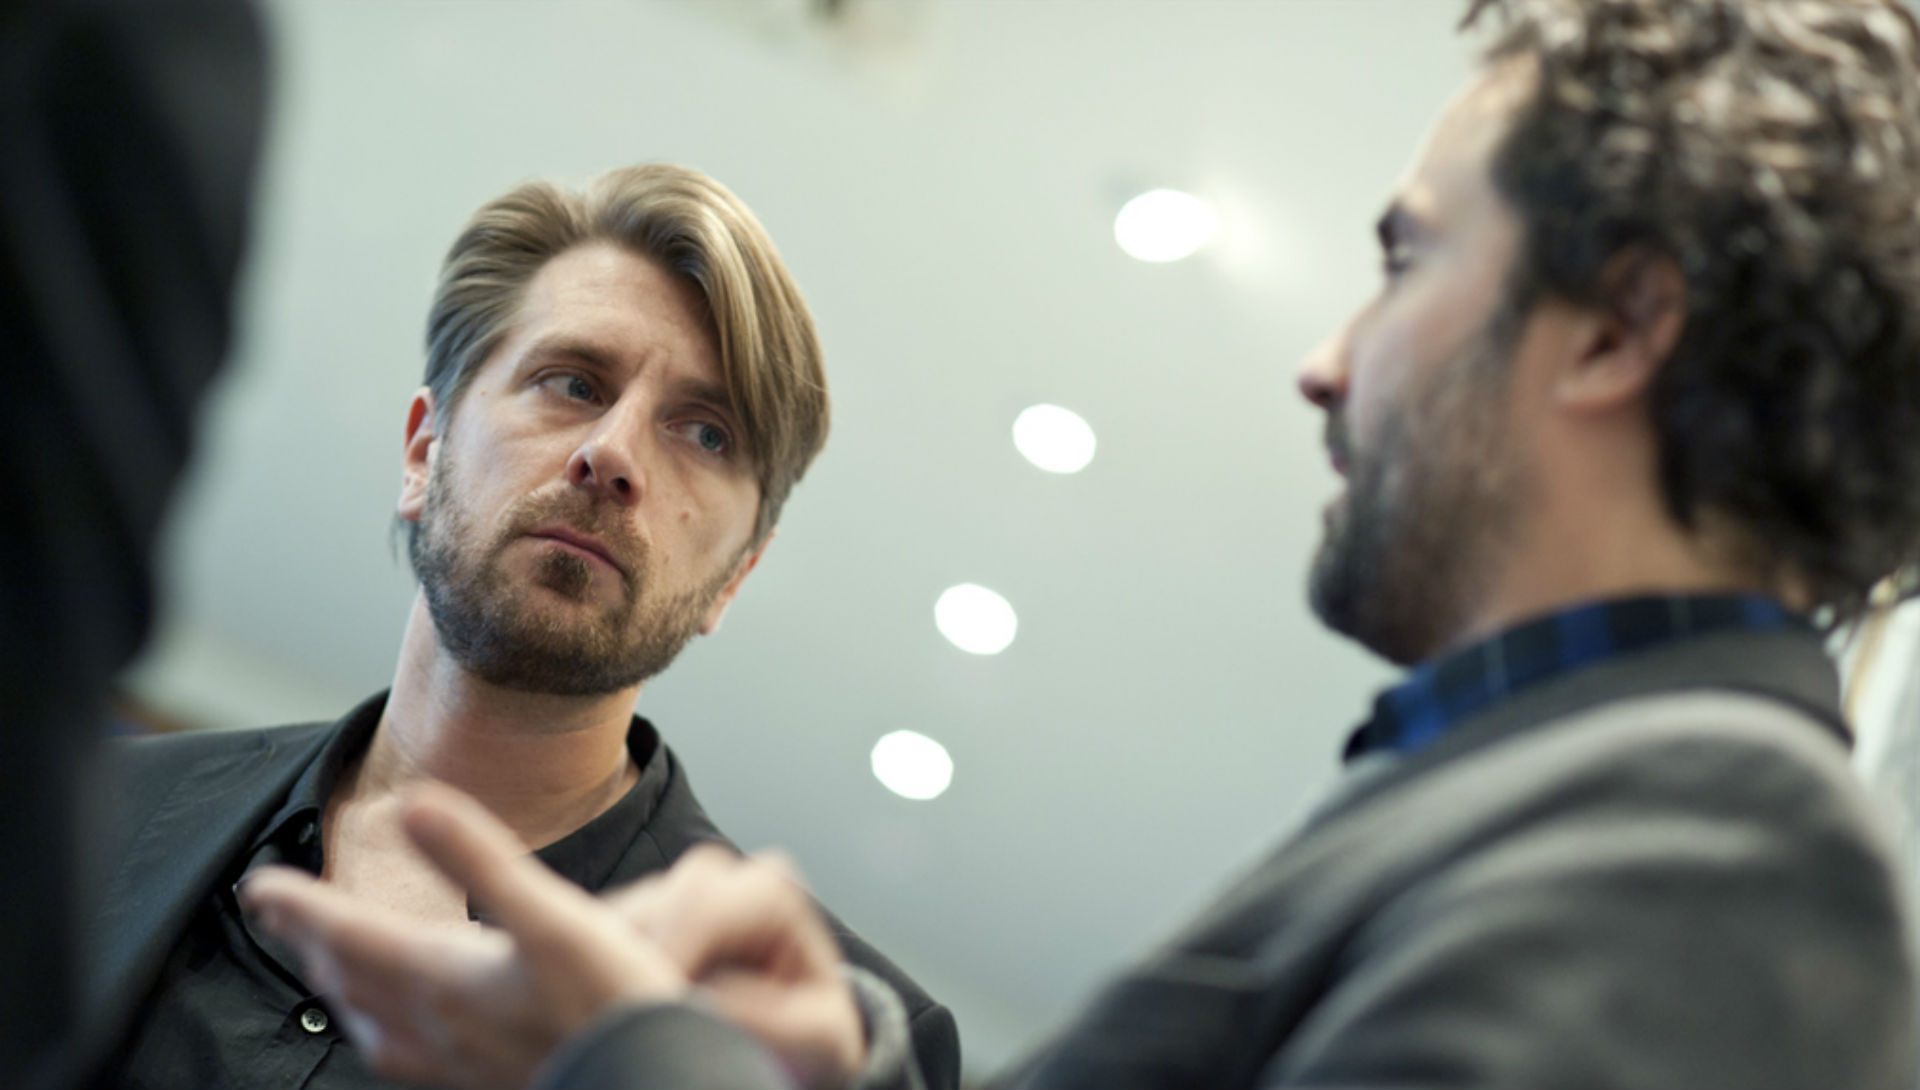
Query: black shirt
(230, 1011)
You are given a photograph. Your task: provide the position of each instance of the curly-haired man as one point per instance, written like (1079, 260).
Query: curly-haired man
(1633, 418)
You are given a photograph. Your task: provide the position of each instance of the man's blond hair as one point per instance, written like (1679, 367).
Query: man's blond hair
(696, 229)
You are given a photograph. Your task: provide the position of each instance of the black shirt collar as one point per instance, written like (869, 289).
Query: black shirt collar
(588, 856)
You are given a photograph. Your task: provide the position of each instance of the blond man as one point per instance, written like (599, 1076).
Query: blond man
(622, 387)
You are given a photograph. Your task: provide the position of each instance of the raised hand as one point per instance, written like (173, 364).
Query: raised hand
(482, 1008)
(472, 1008)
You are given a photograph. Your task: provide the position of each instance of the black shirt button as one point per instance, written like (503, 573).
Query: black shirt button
(313, 1020)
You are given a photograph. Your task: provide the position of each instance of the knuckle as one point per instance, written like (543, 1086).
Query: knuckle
(773, 882)
(709, 856)
(778, 864)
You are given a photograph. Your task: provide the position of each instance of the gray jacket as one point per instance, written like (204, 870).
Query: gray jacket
(1657, 872)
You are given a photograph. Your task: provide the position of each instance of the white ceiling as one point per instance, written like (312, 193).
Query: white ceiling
(945, 198)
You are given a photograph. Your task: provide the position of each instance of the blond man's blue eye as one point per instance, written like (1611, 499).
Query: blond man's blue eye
(712, 438)
(579, 388)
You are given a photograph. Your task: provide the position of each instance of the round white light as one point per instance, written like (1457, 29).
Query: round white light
(1163, 225)
(1055, 439)
(912, 765)
(975, 619)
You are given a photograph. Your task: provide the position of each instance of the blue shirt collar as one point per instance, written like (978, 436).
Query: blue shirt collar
(1445, 691)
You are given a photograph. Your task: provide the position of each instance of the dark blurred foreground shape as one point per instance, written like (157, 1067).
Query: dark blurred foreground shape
(129, 130)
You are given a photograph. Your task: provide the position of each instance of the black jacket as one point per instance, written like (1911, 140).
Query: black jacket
(187, 805)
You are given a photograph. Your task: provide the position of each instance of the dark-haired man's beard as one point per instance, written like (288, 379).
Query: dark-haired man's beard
(1410, 553)
(495, 627)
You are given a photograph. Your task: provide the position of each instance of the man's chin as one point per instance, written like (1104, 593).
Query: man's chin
(560, 600)
(537, 657)
(1341, 586)
(569, 578)
(549, 602)
(539, 683)
(1326, 595)
(1333, 516)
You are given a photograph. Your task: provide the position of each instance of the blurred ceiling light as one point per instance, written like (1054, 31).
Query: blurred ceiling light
(1163, 225)
(975, 619)
(1055, 439)
(912, 765)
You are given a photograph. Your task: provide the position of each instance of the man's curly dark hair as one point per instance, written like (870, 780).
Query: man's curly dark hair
(1771, 149)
